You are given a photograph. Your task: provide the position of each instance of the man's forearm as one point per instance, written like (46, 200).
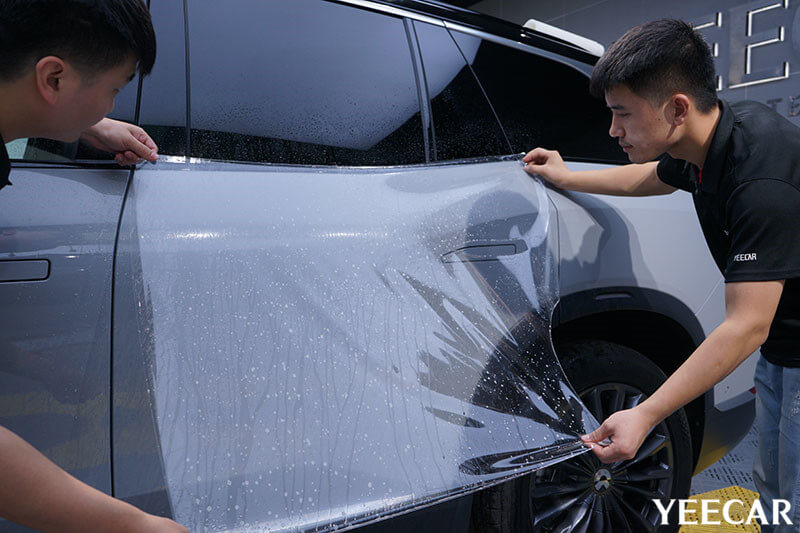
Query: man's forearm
(95, 131)
(712, 361)
(37, 493)
(624, 180)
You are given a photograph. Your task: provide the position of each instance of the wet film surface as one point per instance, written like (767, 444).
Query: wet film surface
(318, 350)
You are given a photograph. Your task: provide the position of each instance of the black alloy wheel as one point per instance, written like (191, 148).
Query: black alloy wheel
(583, 495)
(586, 495)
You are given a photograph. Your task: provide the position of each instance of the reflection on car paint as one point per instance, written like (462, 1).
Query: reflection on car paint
(316, 367)
(55, 310)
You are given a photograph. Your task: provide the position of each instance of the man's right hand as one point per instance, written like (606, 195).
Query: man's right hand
(620, 180)
(549, 165)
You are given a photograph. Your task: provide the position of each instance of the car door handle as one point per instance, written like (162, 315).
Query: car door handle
(485, 251)
(24, 270)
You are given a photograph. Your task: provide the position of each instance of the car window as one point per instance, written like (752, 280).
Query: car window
(163, 104)
(464, 124)
(542, 102)
(302, 82)
(16, 149)
(47, 150)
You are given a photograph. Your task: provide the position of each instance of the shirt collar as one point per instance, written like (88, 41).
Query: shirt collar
(716, 157)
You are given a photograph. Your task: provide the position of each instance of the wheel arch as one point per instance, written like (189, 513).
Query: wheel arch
(654, 323)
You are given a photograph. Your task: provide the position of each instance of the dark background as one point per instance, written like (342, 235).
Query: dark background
(768, 31)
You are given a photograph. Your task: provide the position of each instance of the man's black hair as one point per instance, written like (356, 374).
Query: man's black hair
(656, 60)
(93, 35)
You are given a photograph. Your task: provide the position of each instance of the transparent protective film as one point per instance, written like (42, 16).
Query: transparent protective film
(325, 349)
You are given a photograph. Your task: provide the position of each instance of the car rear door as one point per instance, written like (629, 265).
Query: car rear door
(335, 297)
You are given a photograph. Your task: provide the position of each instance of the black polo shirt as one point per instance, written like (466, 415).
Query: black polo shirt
(747, 199)
(5, 165)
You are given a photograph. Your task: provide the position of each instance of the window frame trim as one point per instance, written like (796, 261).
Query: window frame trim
(420, 77)
(89, 164)
(390, 10)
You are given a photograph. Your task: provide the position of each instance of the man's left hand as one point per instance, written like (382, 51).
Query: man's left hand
(130, 143)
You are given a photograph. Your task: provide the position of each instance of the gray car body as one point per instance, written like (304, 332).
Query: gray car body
(77, 386)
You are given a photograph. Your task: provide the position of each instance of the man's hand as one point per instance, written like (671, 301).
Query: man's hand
(627, 430)
(130, 143)
(549, 165)
(622, 180)
(749, 309)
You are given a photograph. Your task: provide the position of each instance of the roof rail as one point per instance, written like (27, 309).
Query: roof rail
(593, 47)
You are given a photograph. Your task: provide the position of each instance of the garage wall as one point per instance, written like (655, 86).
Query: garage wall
(757, 43)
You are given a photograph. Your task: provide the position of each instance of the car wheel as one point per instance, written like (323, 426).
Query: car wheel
(583, 494)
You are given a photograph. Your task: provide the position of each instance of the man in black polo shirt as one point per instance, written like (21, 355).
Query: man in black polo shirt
(61, 65)
(741, 162)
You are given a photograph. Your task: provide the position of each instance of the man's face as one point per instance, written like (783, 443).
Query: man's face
(85, 101)
(642, 130)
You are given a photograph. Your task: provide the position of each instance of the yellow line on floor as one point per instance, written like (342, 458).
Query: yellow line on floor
(737, 512)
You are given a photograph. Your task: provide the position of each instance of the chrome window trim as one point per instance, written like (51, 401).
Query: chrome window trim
(89, 164)
(577, 65)
(392, 11)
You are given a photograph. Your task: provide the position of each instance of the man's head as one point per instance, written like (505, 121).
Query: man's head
(654, 78)
(72, 57)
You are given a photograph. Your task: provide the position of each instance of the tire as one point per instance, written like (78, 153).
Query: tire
(583, 494)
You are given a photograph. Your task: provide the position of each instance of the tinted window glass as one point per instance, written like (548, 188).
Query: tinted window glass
(163, 107)
(305, 82)
(542, 102)
(463, 121)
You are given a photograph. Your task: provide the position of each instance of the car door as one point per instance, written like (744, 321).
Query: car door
(58, 225)
(336, 301)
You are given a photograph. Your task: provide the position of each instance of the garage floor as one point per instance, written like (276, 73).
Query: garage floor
(735, 468)
(729, 478)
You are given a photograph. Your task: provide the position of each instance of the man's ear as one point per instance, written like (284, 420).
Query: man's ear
(50, 72)
(677, 109)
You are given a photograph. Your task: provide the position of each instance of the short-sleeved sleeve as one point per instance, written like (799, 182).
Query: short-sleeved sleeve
(762, 219)
(673, 172)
